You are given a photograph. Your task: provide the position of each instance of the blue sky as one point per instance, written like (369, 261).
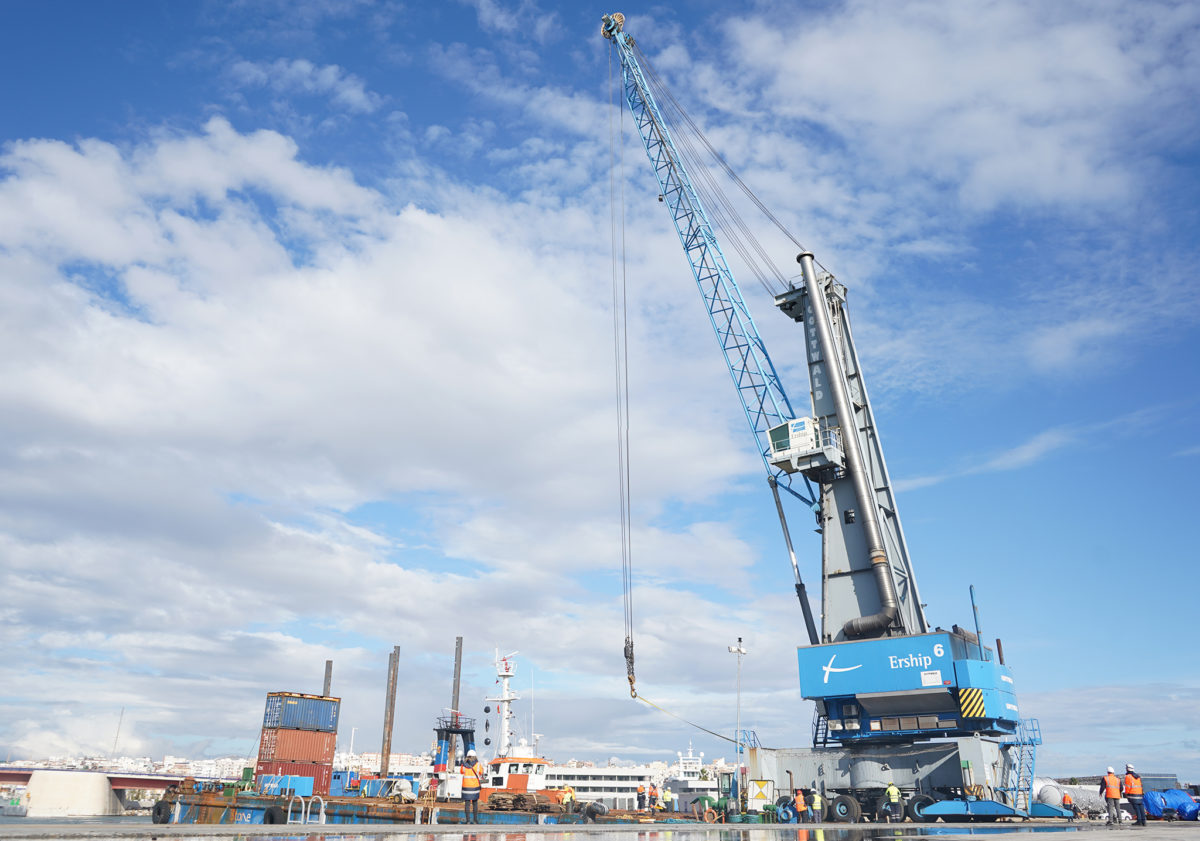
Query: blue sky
(307, 353)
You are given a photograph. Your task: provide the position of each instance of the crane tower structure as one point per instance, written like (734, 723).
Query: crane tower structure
(935, 711)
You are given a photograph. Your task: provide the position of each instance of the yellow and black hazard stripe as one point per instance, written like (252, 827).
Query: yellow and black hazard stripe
(970, 702)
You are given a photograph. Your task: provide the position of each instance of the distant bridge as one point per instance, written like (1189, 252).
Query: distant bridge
(117, 779)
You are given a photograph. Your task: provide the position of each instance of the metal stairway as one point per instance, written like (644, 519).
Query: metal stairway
(1019, 785)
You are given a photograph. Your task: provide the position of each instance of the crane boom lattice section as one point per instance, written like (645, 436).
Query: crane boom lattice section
(762, 396)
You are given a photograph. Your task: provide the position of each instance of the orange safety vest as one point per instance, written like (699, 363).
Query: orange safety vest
(653, 791)
(1112, 787)
(1067, 801)
(800, 804)
(1133, 785)
(641, 789)
(472, 775)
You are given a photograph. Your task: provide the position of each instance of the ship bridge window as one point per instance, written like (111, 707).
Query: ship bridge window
(541, 769)
(528, 767)
(512, 769)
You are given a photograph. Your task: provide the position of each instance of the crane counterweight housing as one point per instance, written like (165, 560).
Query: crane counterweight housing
(934, 711)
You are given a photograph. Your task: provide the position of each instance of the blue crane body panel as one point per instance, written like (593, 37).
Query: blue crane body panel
(921, 685)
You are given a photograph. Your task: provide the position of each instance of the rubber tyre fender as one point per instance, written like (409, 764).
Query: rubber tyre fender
(710, 815)
(783, 800)
(274, 815)
(161, 813)
(915, 808)
(786, 814)
(844, 809)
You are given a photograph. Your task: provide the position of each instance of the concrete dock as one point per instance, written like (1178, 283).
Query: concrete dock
(1094, 831)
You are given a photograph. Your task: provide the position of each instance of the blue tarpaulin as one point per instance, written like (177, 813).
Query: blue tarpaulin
(1182, 803)
(1185, 808)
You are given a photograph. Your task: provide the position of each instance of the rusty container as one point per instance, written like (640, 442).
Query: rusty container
(286, 745)
(321, 772)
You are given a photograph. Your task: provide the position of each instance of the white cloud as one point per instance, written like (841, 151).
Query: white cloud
(345, 90)
(1015, 103)
(525, 17)
(1031, 451)
(1027, 453)
(215, 352)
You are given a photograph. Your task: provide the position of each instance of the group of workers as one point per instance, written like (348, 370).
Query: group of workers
(652, 798)
(808, 805)
(1113, 787)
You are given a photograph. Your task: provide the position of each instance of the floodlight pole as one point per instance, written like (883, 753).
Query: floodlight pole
(739, 651)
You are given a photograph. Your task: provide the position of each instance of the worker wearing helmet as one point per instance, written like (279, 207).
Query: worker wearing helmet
(816, 810)
(1131, 787)
(472, 780)
(800, 805)
(1069, 805)
(892, 793)
(1110, 790)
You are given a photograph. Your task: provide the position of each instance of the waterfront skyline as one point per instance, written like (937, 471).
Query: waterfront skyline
(307, 353)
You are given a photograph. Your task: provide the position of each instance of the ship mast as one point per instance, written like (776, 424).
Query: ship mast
(505, 669)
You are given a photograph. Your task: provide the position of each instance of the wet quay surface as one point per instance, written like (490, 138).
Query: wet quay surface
(48, 830)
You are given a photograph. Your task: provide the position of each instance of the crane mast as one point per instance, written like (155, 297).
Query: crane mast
(877, 673)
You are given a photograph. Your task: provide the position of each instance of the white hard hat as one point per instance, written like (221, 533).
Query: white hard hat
(1128, 767)
(471, 752)
(1110, 770)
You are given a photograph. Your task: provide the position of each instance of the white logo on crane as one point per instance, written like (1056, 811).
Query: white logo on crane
(832, 668)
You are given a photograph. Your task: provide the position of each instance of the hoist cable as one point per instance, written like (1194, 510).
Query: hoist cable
(724, 215)
(616, 197)
(684, 720)
(716, 156)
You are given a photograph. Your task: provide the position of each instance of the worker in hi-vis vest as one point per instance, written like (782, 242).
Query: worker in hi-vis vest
(1131, 787)
(800, 805)
(893, 803)
(472, 780)
(1110, 790)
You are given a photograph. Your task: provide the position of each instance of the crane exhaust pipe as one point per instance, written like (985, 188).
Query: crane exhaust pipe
(880, 566)
(864, 625)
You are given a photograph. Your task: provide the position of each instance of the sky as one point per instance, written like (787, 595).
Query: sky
(306, 326)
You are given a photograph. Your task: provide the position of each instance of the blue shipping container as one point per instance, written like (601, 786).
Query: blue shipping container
(340, 784)
(282, 783)
(301, 712)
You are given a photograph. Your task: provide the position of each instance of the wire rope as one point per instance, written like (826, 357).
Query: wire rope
(616, 197)
(684, 129)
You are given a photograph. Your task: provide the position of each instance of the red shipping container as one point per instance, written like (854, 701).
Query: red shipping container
(296, 745)
(321, 772)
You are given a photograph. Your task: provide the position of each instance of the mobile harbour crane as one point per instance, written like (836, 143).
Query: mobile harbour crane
(933, 711)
